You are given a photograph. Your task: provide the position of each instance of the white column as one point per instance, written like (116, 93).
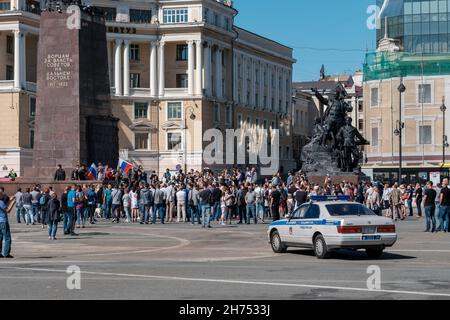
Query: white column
(118, 66)
(153, 69)
(261, 85)
(283, 90)
(126, 68)
(23, 60)
(219, 92)
(17, 59)
(198, 78)
(235, 77)
(191, 65)
(207, 74)
(244, 80)
(277, 90)
(162, 78)
(253, 83)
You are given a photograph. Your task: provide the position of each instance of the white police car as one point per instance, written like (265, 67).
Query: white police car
(329, 223)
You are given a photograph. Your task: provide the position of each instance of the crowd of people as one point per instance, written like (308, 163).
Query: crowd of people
(202, 197)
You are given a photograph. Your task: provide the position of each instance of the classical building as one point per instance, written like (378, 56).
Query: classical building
(413, 45)
(177, 69)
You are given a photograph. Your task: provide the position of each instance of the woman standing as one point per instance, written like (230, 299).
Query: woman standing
(126, 200)
(134, 205)
(53, 216)
(43, 203)
(81, 213)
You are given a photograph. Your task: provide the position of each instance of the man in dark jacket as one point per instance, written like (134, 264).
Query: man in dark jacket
(65, 211)
(60, 174)
(53, 216)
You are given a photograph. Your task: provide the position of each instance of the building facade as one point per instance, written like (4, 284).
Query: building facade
(177, 69)
(413, 47)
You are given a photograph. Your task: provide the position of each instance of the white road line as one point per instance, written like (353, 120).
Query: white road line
(419, 250)
(260, 283)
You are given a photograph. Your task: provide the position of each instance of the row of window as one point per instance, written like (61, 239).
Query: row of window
(425, 135)
(142, 141)
(424, 94)
(217, 20)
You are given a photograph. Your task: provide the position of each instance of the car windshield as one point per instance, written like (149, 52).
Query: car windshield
(349, 209)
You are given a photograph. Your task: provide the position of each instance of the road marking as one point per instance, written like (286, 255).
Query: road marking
(419, 250)
(260, 283)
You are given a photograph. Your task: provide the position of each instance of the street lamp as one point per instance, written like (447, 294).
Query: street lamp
(192, 116)
(399, 130)
(444, 136)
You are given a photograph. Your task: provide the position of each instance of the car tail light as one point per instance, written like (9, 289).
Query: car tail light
(386, 229)
(349, 229)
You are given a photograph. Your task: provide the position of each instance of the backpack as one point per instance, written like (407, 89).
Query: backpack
(43, 200)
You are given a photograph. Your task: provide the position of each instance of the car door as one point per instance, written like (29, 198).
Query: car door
(295, 230)
(310, 223)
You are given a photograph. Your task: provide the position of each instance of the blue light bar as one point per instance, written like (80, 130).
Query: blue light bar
(330, 198)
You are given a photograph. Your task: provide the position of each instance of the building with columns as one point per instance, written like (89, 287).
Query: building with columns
(177, 69)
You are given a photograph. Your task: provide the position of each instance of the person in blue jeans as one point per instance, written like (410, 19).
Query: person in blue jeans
(5, 232)
(444, 201)
(250, 201)
(205, 204)
(430, 206)
(53, 216)
(71, 216)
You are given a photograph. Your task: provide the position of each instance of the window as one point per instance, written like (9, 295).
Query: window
(374, 137)
(135, 80)
(134, 52)
(174, 141)
(216, 19)
(179, 15)
(424, 93)
(9, 44)
(239, 121)
(425, 135)
(9, 73)
(174, 110)
(5, 6)
(374, 97)
(182, 52)
(313, 212)
(360, 106)
(32, 106)
(216, 111)
(297, 117)
(206, 15)
(31, 139)
(141, 141)
(110, 13)
(140, 110)
(229, 115)
(360, 125)
(182, 80)
(227, 23)
(140, 16)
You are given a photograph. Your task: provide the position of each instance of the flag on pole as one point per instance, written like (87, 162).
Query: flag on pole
(92, 173)
(125, 166)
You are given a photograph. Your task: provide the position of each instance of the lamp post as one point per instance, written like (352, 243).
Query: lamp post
(192, 116)
(399, 130)
(444, 136)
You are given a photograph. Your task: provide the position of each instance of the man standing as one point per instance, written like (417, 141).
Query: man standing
(396, 202)
(275, 197)
(107, 202)
(205, 203)
(35, 196)
(430, 206)
(19, 206)
(5, 233)
(419, 196)
(60, 174)
(181, 204)
(216, 195)
(116, 198)
(444, 215)
(159, 205)
(240, 196)
(250, 200)
(71, 206)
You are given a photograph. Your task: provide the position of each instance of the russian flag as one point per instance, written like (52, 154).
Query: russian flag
(92, 173)
(125, 166)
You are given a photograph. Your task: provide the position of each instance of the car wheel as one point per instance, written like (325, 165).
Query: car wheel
(320, 248)
(276, 243)
(375, 252)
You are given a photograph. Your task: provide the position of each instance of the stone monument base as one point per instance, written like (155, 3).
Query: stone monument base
(320, 180)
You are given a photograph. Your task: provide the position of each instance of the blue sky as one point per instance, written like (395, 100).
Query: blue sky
(318, 24)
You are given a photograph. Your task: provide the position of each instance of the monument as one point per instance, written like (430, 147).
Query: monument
(334, 147)
(74, 122)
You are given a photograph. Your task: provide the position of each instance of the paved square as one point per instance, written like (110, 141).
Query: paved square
(180, 261)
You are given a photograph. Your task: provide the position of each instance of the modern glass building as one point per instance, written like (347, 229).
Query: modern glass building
(421, 26)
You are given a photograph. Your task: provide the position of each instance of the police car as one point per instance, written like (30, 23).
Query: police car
(329, 223)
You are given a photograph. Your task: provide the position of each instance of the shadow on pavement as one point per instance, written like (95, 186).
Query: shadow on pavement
(353, 255)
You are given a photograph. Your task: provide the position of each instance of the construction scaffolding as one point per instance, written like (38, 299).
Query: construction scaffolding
(386, 65)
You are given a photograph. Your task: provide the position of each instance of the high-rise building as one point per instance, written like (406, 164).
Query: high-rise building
(177, 69)
(413, 47)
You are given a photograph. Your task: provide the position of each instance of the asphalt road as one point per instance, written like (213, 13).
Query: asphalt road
(235, 262)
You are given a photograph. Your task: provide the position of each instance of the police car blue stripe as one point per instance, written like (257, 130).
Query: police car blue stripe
(322, 222)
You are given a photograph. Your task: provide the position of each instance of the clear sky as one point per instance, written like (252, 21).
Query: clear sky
(312, 28)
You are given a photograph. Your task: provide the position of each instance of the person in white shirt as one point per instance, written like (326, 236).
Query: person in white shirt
(181, 204)
(386, 200)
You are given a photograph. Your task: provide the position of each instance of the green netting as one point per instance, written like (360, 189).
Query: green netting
(385, 65)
